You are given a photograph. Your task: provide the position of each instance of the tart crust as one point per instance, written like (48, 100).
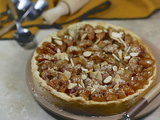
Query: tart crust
(79, 105)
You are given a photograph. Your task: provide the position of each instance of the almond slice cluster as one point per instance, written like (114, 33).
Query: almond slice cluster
(95, 63)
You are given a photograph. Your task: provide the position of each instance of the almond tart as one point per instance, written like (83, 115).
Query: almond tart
(93, 68)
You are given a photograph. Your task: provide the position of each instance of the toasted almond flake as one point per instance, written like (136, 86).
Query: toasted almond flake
(59, 42)
(58, 50)
(82, 84)
(67, 74)
(108, 79)
(104, 63)
(115, 56)
(66, 57)
(73, 48)
(71, 33)
(72, 62)
(83, 60)
(55, 37)
(122, 68)
(125, 45)
(126, 68)
(120, 54)
(98, 31)
(87, 53)
(133, 54)
(95, 86)
(116, 34)
(61, 56)
(97, 67)
(84, 76)
(117, 78)
(105, 30)
(115, 68)
(127, 57)
(83, 69)
(99, 76)
(128, 49)
(66, 36)
(49, 57)
(72, 85)
(83, 36)
(92, 90)
(122, 81)
(132, 78)
(93, 74)
(70, 38)
(116, 87)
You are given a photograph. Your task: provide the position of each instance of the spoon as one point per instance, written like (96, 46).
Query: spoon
(38, 6)
(33, 12)
(21, 7)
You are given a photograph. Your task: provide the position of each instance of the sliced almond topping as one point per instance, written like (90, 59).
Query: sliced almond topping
(84, 76)
(97, 67)
(133, 54)
(87, 53)
(66, 36)
(83, 36)
(93, 74)
(72, 32)
(127, 57)
(67, 74)
(105, 30)
(128, 49)
(108, 79)
(55, 37)
(72, 62)
(116, 34)
(117, 78)
(91, 89)
(73, 48)
(115, 56)
(98, 31)
(72, 85)
(59, 42)
(83, 61)
(120, 54)
(61, 56)
(104, 63)
(99, 76)
(125, 45)
(95, 86)
(122, 68)
(84, 69)
(70, 38)
(58, 50)
(115, 68)
(82, 84)
(126, 68)
(116, 87)
(132, 78)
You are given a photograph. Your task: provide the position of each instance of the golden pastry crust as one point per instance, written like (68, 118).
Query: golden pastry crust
(79, 104)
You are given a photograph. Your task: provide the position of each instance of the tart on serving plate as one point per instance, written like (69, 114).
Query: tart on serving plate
(93, 68)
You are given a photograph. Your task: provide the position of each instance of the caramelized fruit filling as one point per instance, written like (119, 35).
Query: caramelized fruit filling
(96, 63)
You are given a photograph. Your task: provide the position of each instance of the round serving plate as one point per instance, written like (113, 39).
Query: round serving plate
(68, 115)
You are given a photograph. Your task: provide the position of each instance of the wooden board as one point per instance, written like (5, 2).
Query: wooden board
(65, 114)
